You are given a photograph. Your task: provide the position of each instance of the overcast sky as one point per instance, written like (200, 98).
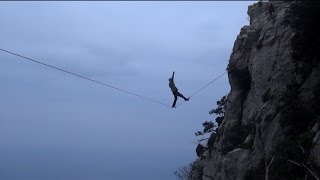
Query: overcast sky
(56, 126)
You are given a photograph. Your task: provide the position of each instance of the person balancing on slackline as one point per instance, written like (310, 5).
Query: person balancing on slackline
(175, 91)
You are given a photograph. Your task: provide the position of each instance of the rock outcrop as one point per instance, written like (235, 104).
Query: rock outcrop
(272, 122)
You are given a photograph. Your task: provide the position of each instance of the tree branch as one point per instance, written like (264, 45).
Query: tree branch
(267, 169)
(312, 172)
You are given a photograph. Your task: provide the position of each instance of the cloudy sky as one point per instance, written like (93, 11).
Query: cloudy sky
(56, 126)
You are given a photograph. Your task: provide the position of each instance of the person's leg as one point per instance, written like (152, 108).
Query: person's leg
(174, 102)
(180, 95)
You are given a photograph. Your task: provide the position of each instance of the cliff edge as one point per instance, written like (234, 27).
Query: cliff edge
(271, 127)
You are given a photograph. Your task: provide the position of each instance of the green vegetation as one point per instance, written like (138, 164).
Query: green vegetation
(211, 127)
(220, 110)
(183, 173)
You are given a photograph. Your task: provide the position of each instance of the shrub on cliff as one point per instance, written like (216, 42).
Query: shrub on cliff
(183, 173)
(211, 127)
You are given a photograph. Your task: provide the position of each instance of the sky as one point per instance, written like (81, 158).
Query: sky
(55, 126)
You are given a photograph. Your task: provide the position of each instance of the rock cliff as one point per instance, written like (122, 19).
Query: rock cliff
(271, 127)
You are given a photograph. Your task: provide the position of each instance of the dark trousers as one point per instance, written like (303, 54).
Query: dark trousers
(176, 94)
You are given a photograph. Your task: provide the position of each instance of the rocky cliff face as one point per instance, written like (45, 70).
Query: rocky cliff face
(271, 127)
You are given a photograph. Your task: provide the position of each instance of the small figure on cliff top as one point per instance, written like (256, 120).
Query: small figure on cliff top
(175, 91)
(271, 9)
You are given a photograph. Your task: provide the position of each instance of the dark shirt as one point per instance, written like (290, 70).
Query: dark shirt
(173, 86)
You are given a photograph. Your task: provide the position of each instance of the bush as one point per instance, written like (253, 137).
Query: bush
(183, 173)
(220, 110)
(211, 127)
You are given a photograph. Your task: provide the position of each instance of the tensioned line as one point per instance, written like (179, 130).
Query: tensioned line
(204, 86)
(104, 84)
(83, 77)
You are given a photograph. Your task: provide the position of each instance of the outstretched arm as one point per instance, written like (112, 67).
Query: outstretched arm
(172, 76)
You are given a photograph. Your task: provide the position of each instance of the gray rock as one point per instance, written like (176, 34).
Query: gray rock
(261, 75)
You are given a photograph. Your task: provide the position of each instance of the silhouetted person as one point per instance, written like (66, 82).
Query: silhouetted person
(175, 91)
(271, 9)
